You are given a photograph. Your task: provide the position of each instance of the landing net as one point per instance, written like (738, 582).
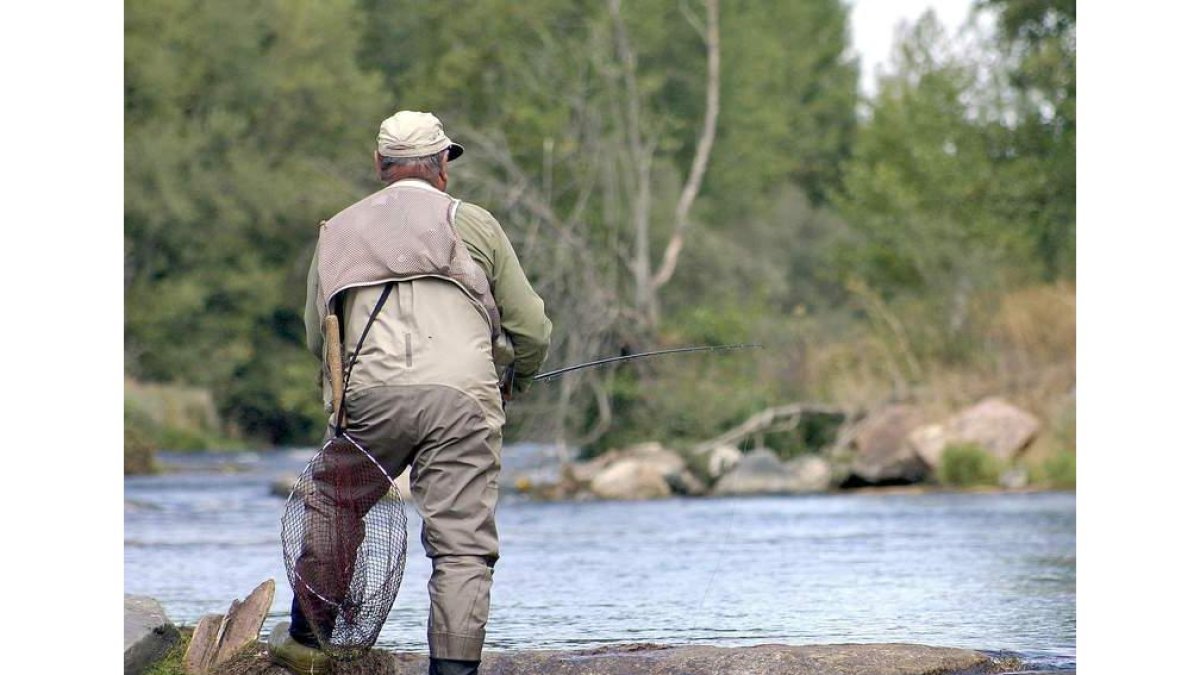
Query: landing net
(345, 536)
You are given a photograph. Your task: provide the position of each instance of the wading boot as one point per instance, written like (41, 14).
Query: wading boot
(296, 657)
(452, 667)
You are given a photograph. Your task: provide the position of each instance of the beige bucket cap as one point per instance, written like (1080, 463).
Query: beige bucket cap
(414, 134)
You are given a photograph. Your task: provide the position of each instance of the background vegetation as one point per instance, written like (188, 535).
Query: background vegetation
(916, 245)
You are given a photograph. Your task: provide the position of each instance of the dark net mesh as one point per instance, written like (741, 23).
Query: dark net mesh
(345, 536)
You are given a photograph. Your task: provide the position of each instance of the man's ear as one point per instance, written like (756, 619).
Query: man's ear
(378, 165)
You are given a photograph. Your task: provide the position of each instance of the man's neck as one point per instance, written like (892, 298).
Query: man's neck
(410, 180)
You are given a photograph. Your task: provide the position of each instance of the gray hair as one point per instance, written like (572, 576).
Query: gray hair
(429, 165)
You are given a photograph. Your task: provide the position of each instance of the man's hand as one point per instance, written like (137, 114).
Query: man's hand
(508, 384)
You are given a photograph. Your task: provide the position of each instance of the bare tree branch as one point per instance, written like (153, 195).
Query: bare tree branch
(781, 417)
(704, 147)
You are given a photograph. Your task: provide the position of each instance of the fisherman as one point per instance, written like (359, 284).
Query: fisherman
(425, 390)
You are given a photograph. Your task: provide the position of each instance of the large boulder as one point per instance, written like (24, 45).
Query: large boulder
(612, 475)
(630, 479)
(811, 473)
(993, 424)
(760, 472)
(721, 460)
(218, 638)
(283, 484)
(149, 634)
(583, 473)
(881, 454)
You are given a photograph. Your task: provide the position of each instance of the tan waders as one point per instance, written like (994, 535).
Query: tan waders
(455, 459)
(424, 393)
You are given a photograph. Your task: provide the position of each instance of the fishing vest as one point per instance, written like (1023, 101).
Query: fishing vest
(398, 234)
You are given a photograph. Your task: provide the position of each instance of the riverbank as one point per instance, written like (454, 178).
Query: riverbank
(229, 644)
(656, 659)
(983, 445)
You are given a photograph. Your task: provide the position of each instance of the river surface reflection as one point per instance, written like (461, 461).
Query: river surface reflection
(992, 572)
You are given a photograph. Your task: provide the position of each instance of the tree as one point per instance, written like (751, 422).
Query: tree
(922, 179)
(244, 126)
(1039, 38)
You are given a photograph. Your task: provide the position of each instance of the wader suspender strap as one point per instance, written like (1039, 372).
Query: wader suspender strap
(339, 425)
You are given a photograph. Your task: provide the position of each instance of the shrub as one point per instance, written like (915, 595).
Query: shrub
(1058, 471)
(139, 448)
(967, 465)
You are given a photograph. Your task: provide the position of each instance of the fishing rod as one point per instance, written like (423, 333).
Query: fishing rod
(617, 359)
(506, 384)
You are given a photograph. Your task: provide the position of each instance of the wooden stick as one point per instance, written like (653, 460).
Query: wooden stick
(333, 359)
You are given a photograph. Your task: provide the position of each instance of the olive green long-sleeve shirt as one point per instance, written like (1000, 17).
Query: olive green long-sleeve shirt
(522, 312)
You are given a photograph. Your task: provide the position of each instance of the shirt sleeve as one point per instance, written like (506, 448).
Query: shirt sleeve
(313, 333)
(522, 311)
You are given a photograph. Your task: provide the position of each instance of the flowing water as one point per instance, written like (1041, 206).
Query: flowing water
(994, 572)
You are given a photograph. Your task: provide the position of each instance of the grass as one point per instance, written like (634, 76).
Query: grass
(172, 662)
(968, 466)
(1057, 471)
(139, 447)
(174, 417)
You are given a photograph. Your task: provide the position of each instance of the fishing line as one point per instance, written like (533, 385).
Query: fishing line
(725, 538)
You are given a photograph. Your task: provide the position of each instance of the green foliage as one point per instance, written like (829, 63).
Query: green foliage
(139, 447)
(244, 126)
(968, 465)
(920, 177)
(144, 435)
(958, 181)
(1039, 37)
(1057, 471)
(789, 98)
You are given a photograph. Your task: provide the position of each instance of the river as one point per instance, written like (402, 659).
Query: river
(994, 572)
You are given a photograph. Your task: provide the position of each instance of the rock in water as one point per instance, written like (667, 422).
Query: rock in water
(880, 452)
(149, 634)
(244, 621)
(993, 424)
(759, 473)
(643, 471)
(884, 659)
(203, 648)
(630, 479)
(928, 441)
(721, 460)
(282, 486)
(218, 638)
(532, 468)
(812, 473)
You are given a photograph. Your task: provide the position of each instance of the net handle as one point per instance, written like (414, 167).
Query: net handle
(333, 359)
